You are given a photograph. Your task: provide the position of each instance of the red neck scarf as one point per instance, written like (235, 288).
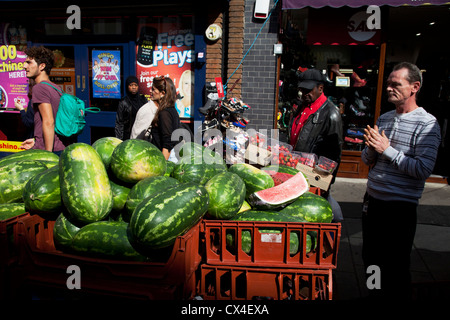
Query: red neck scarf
(301, 118)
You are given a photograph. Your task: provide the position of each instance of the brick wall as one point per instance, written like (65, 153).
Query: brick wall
(259, 72)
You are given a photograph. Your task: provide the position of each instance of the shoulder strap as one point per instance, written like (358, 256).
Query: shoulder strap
(59, 90)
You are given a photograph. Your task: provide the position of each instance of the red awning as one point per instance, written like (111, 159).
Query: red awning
(298, 4)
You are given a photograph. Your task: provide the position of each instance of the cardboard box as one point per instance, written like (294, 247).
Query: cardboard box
(316, 178)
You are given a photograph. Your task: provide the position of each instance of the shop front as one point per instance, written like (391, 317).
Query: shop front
(356, 47)
(96, 48)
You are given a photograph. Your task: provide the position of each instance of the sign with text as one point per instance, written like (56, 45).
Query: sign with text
(13, 78)
(10, 146)
(165, 48)
(106, 74)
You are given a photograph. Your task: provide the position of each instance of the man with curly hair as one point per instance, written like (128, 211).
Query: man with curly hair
(45, 99)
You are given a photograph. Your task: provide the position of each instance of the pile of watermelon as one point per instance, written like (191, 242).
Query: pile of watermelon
(122, 199)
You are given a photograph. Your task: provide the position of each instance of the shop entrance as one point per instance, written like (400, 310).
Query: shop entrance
(96, 74)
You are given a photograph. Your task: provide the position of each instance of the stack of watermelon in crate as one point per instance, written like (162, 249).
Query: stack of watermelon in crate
(110, 220)
(275, 240)
(15, 170)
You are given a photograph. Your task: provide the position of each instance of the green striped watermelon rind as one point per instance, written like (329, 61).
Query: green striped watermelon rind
(135, 159)
(145, 188)
(14, 176)
(226, 195)
(310, 207)
(189, 170)
(105, 147)
(158, 220)
(11, 210)
(31, 154)
(42, 193)
(254, 178)
(85, 186)
(105, 239)
(64, 230)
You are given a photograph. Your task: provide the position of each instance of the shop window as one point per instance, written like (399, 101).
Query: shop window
(335, 41)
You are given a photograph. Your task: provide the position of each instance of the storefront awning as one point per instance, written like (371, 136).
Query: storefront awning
(298, 4)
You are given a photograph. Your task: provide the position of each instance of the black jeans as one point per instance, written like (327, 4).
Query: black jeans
(389, 228)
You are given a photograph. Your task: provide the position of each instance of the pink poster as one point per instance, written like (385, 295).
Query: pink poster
(13, 79)
(166, 48)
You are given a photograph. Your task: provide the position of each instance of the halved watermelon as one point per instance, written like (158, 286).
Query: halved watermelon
(281, 195)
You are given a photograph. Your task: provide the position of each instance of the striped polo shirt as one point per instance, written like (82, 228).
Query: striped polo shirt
(399, 173)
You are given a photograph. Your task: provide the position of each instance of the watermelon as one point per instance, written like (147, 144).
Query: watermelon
(105, 147)
(310, 207)
(14, 176)
(226, 192)
(64, 230)
(10, 210)
(120, 195)
(201, 153)
(134, 160)
(170, 166)
(158, 220)
(246, 240)
(85, 187)
(42, 193)
(31, 154)
(255, 179)
(281, 195)
(105, 239)
(265, 215)
(195, 170)
(144, 189)
(269, 216)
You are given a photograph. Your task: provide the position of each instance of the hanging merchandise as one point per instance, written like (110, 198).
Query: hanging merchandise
(226, 116)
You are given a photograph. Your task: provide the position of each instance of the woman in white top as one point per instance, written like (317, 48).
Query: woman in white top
(144, 118)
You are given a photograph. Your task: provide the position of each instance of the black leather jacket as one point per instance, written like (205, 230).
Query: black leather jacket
(322, 133)
(125, 116)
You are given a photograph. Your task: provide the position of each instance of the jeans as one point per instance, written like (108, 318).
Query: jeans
(388, 229)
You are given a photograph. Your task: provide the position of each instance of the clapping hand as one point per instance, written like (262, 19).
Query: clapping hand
(376, 140)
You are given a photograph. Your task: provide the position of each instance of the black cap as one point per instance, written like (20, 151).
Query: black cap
(310, 78)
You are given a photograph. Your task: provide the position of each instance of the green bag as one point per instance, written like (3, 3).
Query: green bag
(70, 118)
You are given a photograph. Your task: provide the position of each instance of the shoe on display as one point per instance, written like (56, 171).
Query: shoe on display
(353, 140)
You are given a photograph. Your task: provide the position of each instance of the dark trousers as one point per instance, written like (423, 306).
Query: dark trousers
(388, 229)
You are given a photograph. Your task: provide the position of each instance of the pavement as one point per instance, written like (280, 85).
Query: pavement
(430, 257)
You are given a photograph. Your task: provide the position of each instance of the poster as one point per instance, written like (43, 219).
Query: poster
(65, 78)
(106, 74)
(13, 78)
(166, 48)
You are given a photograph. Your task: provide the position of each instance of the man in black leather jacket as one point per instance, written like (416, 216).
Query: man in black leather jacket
(316, 126)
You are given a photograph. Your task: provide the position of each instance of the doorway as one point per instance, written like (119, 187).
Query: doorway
(78, 71)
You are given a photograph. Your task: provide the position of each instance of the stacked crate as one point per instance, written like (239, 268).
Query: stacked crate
(269, 270)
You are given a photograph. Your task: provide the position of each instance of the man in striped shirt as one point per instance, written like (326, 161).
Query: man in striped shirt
(401, 151)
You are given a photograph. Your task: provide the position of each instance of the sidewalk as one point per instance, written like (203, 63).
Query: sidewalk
(430, 258)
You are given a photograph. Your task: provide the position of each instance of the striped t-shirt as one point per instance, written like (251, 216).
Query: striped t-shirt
(400, 172)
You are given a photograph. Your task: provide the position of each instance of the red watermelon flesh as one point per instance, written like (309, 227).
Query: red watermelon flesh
(280, 195)
(279, 177)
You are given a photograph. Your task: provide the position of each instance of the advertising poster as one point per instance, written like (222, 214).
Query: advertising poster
(166, 47)
(106, 74)
(13, 78)
(65, 78)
